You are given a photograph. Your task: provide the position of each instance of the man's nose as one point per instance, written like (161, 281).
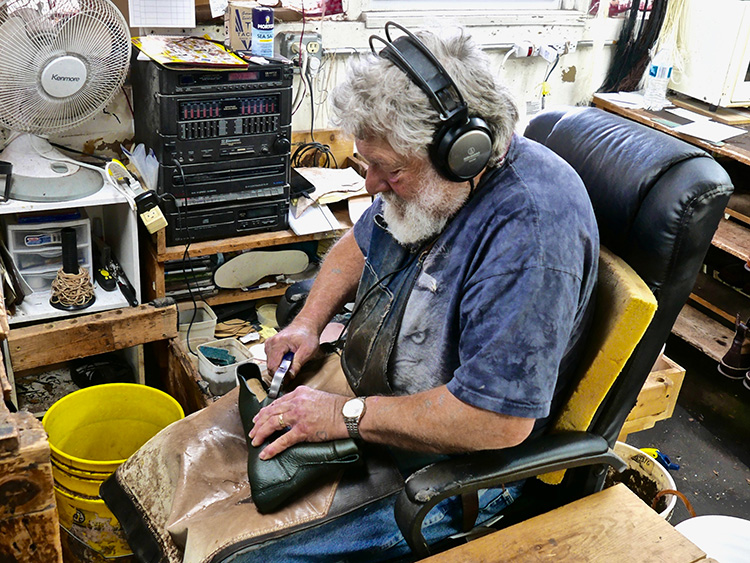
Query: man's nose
(375, 183)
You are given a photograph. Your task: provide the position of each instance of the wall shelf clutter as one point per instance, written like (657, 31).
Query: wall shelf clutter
(119, 229)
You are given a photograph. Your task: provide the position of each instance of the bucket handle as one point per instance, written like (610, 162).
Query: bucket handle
(676, 493)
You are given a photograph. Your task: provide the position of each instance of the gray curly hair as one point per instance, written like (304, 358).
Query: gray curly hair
(378, 100)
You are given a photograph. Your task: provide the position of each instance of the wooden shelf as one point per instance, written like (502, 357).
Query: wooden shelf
(720, 299)
(236, 295)
(733, 238)
(249, 242)
(739, 207)
(708, 336)
(155, 259)
(59, 341)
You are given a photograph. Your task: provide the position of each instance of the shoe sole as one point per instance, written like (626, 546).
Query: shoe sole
(248, 268)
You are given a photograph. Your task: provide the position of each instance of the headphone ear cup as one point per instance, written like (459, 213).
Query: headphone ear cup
(460, 152)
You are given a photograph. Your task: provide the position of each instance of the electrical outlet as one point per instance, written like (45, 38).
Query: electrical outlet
(289, 45)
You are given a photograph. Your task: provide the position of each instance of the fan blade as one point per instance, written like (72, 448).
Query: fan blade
(85, 34)
(18, 50)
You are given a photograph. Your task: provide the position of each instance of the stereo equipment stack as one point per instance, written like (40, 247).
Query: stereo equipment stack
(223, 140)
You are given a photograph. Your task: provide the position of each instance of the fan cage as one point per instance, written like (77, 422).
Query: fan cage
(34, 33)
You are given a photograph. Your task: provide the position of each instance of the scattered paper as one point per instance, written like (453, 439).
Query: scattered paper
(218, 7)
(632, 100)
(179, 51)
(315, 219)
(331, 185)
(357, 206)
(710, 131)
(162, 13)
(687, 114)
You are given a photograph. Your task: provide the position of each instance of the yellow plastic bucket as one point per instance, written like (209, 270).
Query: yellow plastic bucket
(91, 432)
(89, 520)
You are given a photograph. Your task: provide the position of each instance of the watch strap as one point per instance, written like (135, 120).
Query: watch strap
(352, 422)
(352, 425)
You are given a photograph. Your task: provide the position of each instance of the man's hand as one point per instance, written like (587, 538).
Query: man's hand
(299, 338)
(311, 416)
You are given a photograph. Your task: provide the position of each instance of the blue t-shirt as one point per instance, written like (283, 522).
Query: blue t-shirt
(500, 309)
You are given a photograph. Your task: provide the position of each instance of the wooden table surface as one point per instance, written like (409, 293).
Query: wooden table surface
(610, 526)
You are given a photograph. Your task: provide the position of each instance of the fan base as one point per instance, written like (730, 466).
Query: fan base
(42, 173)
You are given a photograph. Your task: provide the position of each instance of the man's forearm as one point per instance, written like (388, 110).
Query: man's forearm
(335, 284)
(435, 421)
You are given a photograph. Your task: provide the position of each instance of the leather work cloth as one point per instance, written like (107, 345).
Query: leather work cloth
(185, 496)
(376, 319)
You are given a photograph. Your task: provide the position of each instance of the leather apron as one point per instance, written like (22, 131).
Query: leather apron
(387, 280)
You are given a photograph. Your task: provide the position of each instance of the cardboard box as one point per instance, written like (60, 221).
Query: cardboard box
(238, 24)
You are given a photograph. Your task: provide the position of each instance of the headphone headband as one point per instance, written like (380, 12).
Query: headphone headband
(413, 57)
(462, 146)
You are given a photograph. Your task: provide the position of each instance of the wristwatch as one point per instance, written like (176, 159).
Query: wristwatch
(353, 411)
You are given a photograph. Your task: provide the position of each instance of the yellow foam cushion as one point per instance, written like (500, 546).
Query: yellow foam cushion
(624, 308)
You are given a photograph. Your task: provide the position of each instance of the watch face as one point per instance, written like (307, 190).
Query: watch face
(353, 408)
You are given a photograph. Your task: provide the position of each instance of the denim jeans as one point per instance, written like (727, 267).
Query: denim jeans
(370, 533)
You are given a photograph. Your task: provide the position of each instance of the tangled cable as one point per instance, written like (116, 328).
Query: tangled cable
(314, 154)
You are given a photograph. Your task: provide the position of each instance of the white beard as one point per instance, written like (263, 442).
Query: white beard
(419, 219)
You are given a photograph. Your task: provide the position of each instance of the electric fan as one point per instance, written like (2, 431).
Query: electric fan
(61, 62)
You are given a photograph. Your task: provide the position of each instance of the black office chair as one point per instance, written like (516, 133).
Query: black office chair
(658, 201)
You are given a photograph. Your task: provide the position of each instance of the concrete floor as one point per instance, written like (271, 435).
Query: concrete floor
(708, 436)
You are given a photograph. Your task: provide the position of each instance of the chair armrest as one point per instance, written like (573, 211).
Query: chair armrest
(430, 485)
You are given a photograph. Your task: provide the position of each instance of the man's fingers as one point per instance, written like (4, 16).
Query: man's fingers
(264, 428)
(280, 444)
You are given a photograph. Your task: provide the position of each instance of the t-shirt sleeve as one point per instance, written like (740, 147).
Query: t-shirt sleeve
(515, 329)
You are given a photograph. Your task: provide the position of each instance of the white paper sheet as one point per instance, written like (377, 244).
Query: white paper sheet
(331, 185)
(687, 114)
(710, 131)
(218, 7)
(162, 13)
(315, 219)
(632, 100)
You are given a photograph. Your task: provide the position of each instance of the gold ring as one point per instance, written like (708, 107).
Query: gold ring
(281, 422)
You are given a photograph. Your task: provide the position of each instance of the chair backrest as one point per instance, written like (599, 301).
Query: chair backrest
(658, 201)
(623, 310)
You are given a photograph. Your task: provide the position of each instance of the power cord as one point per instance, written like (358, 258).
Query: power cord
(185, 229)
(318, 154)
(545, 84)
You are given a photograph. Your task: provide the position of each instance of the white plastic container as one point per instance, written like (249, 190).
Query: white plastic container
(222, 379)
(36, 249)
(204, 324)
(649, 467)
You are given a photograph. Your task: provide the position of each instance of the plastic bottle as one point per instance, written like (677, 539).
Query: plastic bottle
(659, 73)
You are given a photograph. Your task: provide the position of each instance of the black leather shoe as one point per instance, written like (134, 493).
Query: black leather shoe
(292, 472)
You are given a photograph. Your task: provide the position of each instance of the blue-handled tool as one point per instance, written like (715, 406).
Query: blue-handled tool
(661, 458)
(278, 377)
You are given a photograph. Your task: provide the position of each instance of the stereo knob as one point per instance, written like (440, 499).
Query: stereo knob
(282, 145)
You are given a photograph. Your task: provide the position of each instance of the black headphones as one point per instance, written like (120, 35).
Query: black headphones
(462, 145)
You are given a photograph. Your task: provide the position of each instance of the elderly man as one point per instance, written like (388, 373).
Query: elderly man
(472, 290)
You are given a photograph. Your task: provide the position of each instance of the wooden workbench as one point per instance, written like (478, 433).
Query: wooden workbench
(613, 525)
